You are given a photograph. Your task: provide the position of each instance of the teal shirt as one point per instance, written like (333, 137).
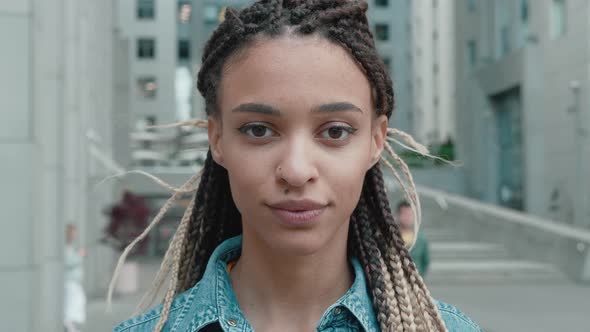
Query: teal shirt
(421, 254)
(211, 305)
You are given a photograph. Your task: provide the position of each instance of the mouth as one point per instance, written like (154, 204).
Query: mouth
(297, 212)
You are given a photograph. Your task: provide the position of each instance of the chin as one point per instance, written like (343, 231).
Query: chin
(299, 243)
(303, 242)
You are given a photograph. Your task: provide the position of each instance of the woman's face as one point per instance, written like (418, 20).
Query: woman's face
(297, 132)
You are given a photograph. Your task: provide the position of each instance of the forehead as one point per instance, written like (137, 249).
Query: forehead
(293, 69)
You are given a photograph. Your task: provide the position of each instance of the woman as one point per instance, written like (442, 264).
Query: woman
(74, 296)
(290, 228)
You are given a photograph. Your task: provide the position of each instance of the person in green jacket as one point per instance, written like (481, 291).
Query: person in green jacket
(420, 252)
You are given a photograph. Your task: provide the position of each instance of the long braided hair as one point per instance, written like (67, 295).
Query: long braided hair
(400, 298)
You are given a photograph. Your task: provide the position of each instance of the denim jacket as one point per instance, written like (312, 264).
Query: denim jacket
(211, 305)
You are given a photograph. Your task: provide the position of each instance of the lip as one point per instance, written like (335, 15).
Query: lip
(297, 212)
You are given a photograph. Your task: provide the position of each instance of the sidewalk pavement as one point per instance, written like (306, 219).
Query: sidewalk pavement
(123, 307)
(538, 307)
(101, 321)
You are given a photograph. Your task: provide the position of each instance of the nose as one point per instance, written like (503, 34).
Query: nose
(297, 166)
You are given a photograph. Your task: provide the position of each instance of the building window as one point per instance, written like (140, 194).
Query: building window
(387, 63)
(184, 12)
(382, 31)
(472, 53)
(471, 5)
(558, 19)
(211, 14)
(184, 50)
(505, 40)
(382, 3)
(146, 48)
(145, 9)
(147, 87)
(524, 11)
(150, 120)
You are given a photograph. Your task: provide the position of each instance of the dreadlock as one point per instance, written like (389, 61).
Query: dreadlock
(400, 298)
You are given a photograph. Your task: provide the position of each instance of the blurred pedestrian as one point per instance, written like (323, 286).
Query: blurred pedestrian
(420, 252)
(74, 297)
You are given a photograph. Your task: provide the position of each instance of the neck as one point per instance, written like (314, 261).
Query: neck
(278, 288)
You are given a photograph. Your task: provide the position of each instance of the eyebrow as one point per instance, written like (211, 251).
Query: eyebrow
(324, 108)
(257, 108)
(342, 106)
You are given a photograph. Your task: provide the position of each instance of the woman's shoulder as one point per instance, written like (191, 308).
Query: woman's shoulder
(455, 320)
(147, 321)
(196, 307)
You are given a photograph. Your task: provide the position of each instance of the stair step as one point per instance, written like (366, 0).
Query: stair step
(491, 271)
(444, 235)
(466, 250)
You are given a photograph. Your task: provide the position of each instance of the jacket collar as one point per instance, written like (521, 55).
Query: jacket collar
(212, 299)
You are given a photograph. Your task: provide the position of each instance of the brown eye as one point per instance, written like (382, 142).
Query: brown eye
(337, 132)
(257, 130)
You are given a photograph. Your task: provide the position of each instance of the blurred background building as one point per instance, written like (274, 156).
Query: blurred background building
(58, 106)
(501, 86)
(495, 77)
(417, 46)
(398, 57)
(433, 71)
(522, 91)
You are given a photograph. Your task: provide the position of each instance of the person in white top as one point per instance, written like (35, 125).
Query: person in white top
(74, 296)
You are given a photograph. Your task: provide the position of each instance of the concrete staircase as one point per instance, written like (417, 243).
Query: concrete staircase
(456, 261)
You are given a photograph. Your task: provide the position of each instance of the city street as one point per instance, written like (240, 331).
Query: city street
(108, 107)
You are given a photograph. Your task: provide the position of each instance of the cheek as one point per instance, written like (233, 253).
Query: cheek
(345, 177)
(248, 176)
(348, 185)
